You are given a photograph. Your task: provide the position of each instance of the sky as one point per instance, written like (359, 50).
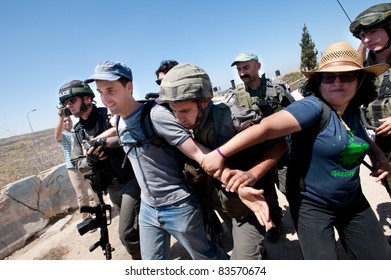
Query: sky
(46, 43)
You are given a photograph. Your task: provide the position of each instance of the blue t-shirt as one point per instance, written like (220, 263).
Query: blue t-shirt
(333, 174)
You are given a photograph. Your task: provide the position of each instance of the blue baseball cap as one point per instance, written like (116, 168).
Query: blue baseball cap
(110, 71)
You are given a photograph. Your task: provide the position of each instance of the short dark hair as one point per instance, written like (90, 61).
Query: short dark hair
(123, 80)
(165, 66)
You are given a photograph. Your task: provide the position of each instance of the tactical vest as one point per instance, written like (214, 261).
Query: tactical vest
(213, 134)
(380, 108)
(266, 101)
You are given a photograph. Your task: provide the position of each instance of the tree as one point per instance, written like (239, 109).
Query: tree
(308, 51)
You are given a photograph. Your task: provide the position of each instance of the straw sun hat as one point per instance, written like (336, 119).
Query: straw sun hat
(341, 57)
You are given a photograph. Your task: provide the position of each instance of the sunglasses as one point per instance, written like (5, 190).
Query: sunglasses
(69, 101)
(158, 82)
(344, 78)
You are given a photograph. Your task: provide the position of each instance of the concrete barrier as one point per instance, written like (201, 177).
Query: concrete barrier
(27, 205)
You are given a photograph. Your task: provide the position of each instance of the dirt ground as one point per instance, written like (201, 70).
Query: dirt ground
(62, 241)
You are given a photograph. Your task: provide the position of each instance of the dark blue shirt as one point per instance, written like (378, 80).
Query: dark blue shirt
(333, 176)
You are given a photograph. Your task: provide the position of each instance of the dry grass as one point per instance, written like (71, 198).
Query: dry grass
(19, 157)
(56, 253)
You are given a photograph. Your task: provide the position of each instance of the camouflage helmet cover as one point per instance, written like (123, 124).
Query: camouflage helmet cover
(374, 17)
(74, 88)
(185, 81)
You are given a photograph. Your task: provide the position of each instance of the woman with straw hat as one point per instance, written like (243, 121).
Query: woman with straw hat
(323, 182)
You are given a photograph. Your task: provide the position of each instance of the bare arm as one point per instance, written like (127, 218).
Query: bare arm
(59, 128)
(274, 126)
(235, 178)
(251, 197)
(193, 150)
(380, 163)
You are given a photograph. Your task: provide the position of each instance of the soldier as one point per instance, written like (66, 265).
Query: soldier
(372, 27)
(188, 90)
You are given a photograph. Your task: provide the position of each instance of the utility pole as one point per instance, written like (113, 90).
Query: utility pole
(32, 132)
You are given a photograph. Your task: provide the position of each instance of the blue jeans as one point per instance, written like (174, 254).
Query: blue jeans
(358, 228)
(182, 220)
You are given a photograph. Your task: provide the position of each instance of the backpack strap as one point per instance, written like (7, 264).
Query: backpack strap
(325, 119)
(103, 119)
(264, 86)
(301, 151)
(117, 118)
(147, 127)
(385, 87)
(79, 133)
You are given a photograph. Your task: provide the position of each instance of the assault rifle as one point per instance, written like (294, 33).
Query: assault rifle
(101, 215)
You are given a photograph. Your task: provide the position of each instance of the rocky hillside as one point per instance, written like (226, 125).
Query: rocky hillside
(21, 156)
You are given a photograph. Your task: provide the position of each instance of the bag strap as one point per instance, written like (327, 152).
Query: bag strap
(302, 143)
(326, 113)
(386, 84)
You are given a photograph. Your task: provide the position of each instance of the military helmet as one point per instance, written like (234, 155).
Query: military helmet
(74, 88)
(374, 17)
(185, 81)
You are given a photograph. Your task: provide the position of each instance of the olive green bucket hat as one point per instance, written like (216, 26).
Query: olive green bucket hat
(185, 81)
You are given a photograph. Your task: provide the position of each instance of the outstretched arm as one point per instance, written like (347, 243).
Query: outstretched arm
(251, 197)
(274, 126)
(234, 179)
(256, 202)
(193, 150)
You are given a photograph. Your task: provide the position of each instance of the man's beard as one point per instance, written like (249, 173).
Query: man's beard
(77, 114)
